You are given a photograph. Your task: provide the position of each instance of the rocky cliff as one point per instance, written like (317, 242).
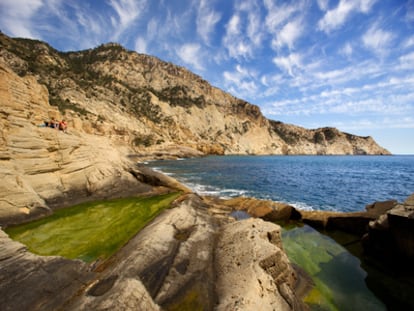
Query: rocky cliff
(42, 168)
(154, 106)
(190, 255)
(119, 104)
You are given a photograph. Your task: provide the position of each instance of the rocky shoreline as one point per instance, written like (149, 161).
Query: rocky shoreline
(195, 254)
(192, 254)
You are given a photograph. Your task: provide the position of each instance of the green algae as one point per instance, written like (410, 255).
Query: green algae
(90, 231)
(191, 302)
(338, 277)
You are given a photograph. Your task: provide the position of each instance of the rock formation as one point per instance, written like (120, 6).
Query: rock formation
(43, 168)
(391, 236)
(187, 256)
(152, 105)
(120, 105)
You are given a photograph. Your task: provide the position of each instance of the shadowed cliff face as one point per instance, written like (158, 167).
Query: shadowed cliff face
(149, 104)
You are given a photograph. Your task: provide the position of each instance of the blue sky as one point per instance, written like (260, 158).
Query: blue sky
(313, 63)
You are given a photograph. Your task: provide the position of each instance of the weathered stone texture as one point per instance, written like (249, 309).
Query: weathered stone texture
(31, 282)
(249, 254)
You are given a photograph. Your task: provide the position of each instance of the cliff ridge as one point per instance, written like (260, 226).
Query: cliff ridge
(151, 105)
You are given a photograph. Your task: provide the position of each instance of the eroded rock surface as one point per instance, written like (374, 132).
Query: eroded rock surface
(159, 108)
(43, 168)
(31, 282)
(253, 271)
(189, 255)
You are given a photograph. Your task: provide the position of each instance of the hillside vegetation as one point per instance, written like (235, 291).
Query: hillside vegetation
(154, 106)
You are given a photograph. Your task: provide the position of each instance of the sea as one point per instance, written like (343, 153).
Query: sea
(331, 183)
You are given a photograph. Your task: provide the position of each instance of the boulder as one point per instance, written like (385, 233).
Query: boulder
(391, 236)
(253, 271)
(351, 222)
(266, 209)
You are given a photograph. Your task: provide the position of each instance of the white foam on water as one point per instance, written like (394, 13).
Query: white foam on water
(215, 191)
(301, 206)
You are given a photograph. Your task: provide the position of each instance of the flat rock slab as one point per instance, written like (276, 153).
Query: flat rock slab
(31, 282)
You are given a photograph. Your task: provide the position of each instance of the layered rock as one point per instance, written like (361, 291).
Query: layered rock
(120, 104)
(186, 257)
(152, 105)
(44, 168)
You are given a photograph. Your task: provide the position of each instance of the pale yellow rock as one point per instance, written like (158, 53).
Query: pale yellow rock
(249, 254)
(40, 164)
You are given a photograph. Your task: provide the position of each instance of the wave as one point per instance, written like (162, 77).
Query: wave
(215, 191)
(227, 193)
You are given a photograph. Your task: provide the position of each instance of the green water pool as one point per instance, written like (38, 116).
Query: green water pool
(90, 231)
(337, 274)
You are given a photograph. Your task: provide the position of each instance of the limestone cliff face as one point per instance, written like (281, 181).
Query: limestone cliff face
(42, 168)
(151, 105)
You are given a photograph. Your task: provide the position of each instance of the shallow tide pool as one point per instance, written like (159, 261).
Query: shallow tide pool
(339, 279)
(90, 231)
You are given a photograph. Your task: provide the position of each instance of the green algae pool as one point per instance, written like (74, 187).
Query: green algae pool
(339, 279)
(90, 231)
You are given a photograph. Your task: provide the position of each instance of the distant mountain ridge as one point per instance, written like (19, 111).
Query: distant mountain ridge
(155, 106)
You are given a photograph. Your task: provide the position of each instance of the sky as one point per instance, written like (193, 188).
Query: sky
(313, 63)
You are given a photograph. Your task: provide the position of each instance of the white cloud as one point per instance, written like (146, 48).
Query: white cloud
(289, 34)
(153, 26)
(409, 42)
(206, 21)
(391, 98)
(17, 15)
(128, 11)
(233, 27)
(347, 50)
(323, 4)
(278, 15)
(86, 21)
(333, 74)
(235, 41)
(355, 72)
(365, 5)
(190, 54)
(254, 27)
(289, 63)
(377, 40)
(141, 45)
(407, 61)
(409, 6)
(381, 122)
(241, 81)
(336, 17)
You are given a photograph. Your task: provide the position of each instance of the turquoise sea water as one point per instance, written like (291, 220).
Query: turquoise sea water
(339, 183)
